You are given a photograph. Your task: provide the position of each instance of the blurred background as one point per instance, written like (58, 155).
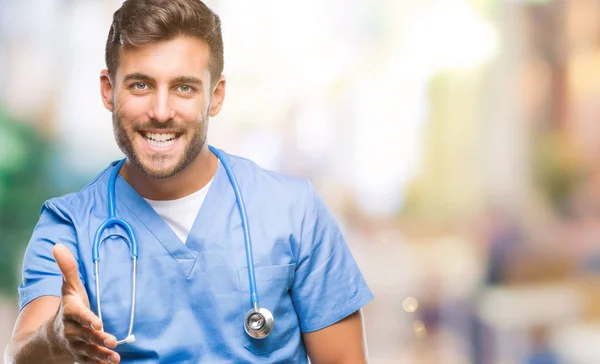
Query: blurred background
(457, 142)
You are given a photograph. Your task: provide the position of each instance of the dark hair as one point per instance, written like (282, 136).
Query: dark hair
(140, 22)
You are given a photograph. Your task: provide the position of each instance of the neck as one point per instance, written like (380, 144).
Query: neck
(195, 176)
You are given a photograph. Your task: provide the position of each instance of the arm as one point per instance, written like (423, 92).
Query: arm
(341, 343)
(328, 290)
(32, 338)
(61, 330)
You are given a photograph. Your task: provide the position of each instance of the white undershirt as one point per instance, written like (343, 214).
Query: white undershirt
(180, 214)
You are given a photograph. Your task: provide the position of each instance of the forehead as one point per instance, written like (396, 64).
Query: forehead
(181, 56)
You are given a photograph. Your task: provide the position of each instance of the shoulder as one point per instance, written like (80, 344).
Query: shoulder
(68, 206)
(276, 185)
(278, 195)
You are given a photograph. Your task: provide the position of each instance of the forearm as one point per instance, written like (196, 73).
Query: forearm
(38, 347)
(341, 343)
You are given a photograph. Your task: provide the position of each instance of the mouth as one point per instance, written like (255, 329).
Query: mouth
(162, 140)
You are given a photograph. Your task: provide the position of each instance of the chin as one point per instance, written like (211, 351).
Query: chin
(159, 173)
(159, 168)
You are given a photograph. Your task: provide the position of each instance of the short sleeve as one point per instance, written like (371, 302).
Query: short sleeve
(328, 285)
(40, 274)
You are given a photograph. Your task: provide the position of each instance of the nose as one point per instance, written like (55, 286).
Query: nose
(161, 109)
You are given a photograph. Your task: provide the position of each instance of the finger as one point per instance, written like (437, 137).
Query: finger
(82, 359)
(67, 265)
(94, 353)
(75, 332)
(86, 360)
(75, 310)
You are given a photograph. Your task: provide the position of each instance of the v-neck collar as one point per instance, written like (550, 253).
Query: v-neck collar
(185, 254)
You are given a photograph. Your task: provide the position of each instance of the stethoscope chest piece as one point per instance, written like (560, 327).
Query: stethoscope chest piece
(259, 323)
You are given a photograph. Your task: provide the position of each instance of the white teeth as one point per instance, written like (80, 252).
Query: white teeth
(160, 144)
(160, 140)
(160, 137)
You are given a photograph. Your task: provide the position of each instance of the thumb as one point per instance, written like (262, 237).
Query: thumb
(68, 267)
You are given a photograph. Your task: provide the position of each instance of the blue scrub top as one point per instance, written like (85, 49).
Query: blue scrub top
(192, 297)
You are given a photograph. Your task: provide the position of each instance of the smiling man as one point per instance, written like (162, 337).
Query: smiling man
(188, 211)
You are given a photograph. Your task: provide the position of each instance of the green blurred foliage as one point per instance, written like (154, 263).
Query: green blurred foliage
(24, 186)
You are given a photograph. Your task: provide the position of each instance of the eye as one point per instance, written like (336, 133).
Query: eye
(185, 88)
(140, 86)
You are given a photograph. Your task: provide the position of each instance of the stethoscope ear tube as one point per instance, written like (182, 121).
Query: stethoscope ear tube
(130, 239)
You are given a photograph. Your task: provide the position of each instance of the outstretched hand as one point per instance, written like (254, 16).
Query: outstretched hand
(76, 329)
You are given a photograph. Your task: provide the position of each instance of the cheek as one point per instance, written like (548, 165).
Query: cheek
(189, 109)
(132, 108)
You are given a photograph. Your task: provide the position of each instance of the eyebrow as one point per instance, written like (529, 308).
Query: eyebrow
(187, 79)
(138, 77)
(181, 79)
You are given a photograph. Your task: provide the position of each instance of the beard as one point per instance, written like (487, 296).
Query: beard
(159, 165)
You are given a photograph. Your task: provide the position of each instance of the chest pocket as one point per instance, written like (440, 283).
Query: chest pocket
(273, 284)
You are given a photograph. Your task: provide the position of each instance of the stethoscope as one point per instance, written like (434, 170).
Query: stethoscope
(258, 322)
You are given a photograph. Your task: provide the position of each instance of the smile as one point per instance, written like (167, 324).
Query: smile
(160, 140)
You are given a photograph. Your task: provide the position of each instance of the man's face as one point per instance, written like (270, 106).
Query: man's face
(161, 102)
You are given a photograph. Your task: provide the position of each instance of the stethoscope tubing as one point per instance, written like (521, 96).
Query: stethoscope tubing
(113, 220)
(244, 217)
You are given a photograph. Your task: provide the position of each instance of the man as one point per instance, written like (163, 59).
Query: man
(162, 83)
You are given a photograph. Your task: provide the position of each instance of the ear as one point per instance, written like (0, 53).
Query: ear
(217, 97)
(106, 90)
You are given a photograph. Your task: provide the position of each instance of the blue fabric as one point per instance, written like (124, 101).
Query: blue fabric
(192, 298)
